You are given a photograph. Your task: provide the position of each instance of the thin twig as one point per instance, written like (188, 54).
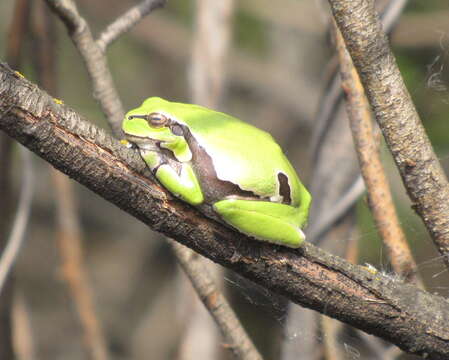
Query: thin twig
(104, 90)
(373, 172)
(329, 119)
(327, 109)
(20, 223)
(391, 13)
(396, 115)
(333, 92)
(125, 22)
(237, 341)
(344, 204)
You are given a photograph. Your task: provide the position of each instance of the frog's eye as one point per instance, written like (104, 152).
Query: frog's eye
(157, 119)
(154, 119)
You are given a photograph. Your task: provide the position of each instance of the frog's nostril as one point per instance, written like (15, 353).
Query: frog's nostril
(136, 117)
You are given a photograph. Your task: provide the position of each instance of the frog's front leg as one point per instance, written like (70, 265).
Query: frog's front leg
(181, 182)
(268, 221)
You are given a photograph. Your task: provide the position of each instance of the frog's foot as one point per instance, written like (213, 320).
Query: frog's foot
(267, 221)
(184, 185)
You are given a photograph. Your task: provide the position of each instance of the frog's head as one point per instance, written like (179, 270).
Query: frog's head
(151, 127)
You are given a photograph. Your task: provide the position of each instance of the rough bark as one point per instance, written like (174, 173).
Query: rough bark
(414, 320)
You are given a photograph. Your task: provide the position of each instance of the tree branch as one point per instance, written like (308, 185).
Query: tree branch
(104, 90)
(401, 126)
(410, 318)
(126, 22)
(373, 172)
(328, 107)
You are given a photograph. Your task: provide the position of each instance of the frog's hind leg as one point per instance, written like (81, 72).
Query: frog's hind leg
(268, 221)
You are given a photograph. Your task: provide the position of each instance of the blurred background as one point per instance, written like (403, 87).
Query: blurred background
(275, 74)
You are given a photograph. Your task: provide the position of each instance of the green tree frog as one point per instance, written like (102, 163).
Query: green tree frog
(232, 171)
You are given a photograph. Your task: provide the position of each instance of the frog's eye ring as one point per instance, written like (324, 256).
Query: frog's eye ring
(157, 119)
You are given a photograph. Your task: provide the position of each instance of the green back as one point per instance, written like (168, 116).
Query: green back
(241, 153)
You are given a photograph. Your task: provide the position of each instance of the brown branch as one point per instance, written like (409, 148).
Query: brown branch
(327, 122)
(328, 107)
(397, 312)
(379, 194)
(237, 341)
(396, 115)
(127, 21)
(104, 90)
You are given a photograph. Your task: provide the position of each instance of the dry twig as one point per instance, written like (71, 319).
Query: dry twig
(104, 90)
(379, 194)
(125, 22)
(396, 115)
(326, 115)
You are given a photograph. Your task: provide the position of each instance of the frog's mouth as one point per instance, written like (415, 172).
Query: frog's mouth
(143, 142)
